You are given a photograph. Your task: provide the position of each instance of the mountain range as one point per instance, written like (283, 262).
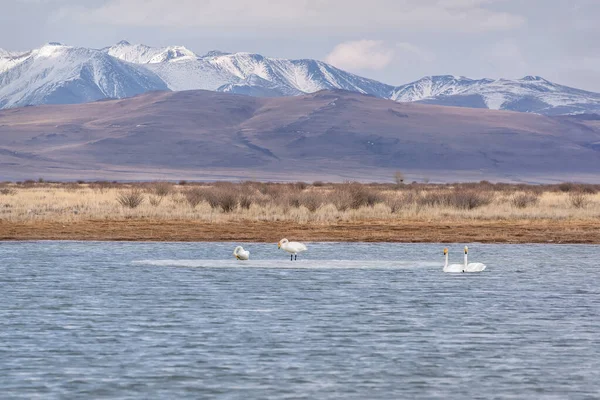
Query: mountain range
(328, 135)
(59, 74)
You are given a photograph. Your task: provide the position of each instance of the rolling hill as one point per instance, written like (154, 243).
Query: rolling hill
(328, 135)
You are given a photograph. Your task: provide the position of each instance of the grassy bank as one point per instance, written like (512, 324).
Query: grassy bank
(319, 211)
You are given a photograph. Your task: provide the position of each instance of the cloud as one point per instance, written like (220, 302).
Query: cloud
(507, 59)
(361, 55)
(268, 15)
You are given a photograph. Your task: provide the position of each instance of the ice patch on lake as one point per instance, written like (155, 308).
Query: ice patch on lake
(300, 264)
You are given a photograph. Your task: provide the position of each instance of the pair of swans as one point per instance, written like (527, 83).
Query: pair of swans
(466, 267)
(291, 247)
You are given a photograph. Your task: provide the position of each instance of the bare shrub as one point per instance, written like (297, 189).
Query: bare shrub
(182, 183)
(318, 183)
(459, 199)
(524, 200)
(7, 191)
(161, 189)
(225, 198)
(245, 201)
(470, 199)
(228, 201)
(589, 189)
(311, 200)
(395, 203)
(194, 197)
(578, 200)
(155, 200)
(566, 187)
(131, 198)
(341, 199)
(300, 185)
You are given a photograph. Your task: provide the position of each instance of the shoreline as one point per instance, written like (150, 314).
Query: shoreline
(465, 231)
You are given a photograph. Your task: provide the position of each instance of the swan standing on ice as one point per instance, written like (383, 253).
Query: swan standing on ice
(452, 267)
(241, 254)
(472, 267)
(291, 247)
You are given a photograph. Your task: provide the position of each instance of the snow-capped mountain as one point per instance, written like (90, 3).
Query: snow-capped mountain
(57, 74)
(529, 94)
(61, 74)
(244, 73)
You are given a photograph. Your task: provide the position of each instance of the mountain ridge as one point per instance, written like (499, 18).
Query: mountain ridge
(78, 74)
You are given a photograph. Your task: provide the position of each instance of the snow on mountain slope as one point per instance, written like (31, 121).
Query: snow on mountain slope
(63, 74)
(10, 59)
(181, 69)
(529, 94)
(57, 74)
(142, 54)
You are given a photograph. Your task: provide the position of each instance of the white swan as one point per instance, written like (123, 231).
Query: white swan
(291, 247)
(241, 254)
(472, 267)
(452, 267)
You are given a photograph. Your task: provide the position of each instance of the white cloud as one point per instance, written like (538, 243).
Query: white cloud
(268, 15)
(361, 55)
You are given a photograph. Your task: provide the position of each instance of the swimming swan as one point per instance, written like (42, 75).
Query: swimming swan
(241, 254)
(472, 267)
(452, 267)
(291, 247)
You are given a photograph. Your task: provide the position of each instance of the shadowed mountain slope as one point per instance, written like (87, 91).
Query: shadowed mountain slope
(329, 135)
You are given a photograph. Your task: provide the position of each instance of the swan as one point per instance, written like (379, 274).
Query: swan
(452, 267)
(472, 267)
(291, 247)
(241, 254)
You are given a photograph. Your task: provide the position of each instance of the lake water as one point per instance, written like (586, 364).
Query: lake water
(161, 320)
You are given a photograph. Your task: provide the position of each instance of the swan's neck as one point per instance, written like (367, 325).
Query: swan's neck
(465, 259)
(446, 263)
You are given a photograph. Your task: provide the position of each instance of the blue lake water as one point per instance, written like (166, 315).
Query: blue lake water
(185, 320)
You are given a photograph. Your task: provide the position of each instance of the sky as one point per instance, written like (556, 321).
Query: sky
(394, 41)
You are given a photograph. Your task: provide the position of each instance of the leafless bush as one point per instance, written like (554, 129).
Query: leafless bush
(161, 189)
(470, 199)
(131, 198)
(318, 183)
(589, 189)
(354, 195)
(566, 187)
(311, 200)
(395, 203)
(245, 201)
(341, 199)
(194, 197)
(228, 201)
(524, 200)
(7, 191)
(225, 198)
(158, 191)
(300, 185)
(155, 200)
(460, 199)
(578, 200)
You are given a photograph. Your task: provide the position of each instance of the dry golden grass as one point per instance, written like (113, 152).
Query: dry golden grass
(347, 206)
